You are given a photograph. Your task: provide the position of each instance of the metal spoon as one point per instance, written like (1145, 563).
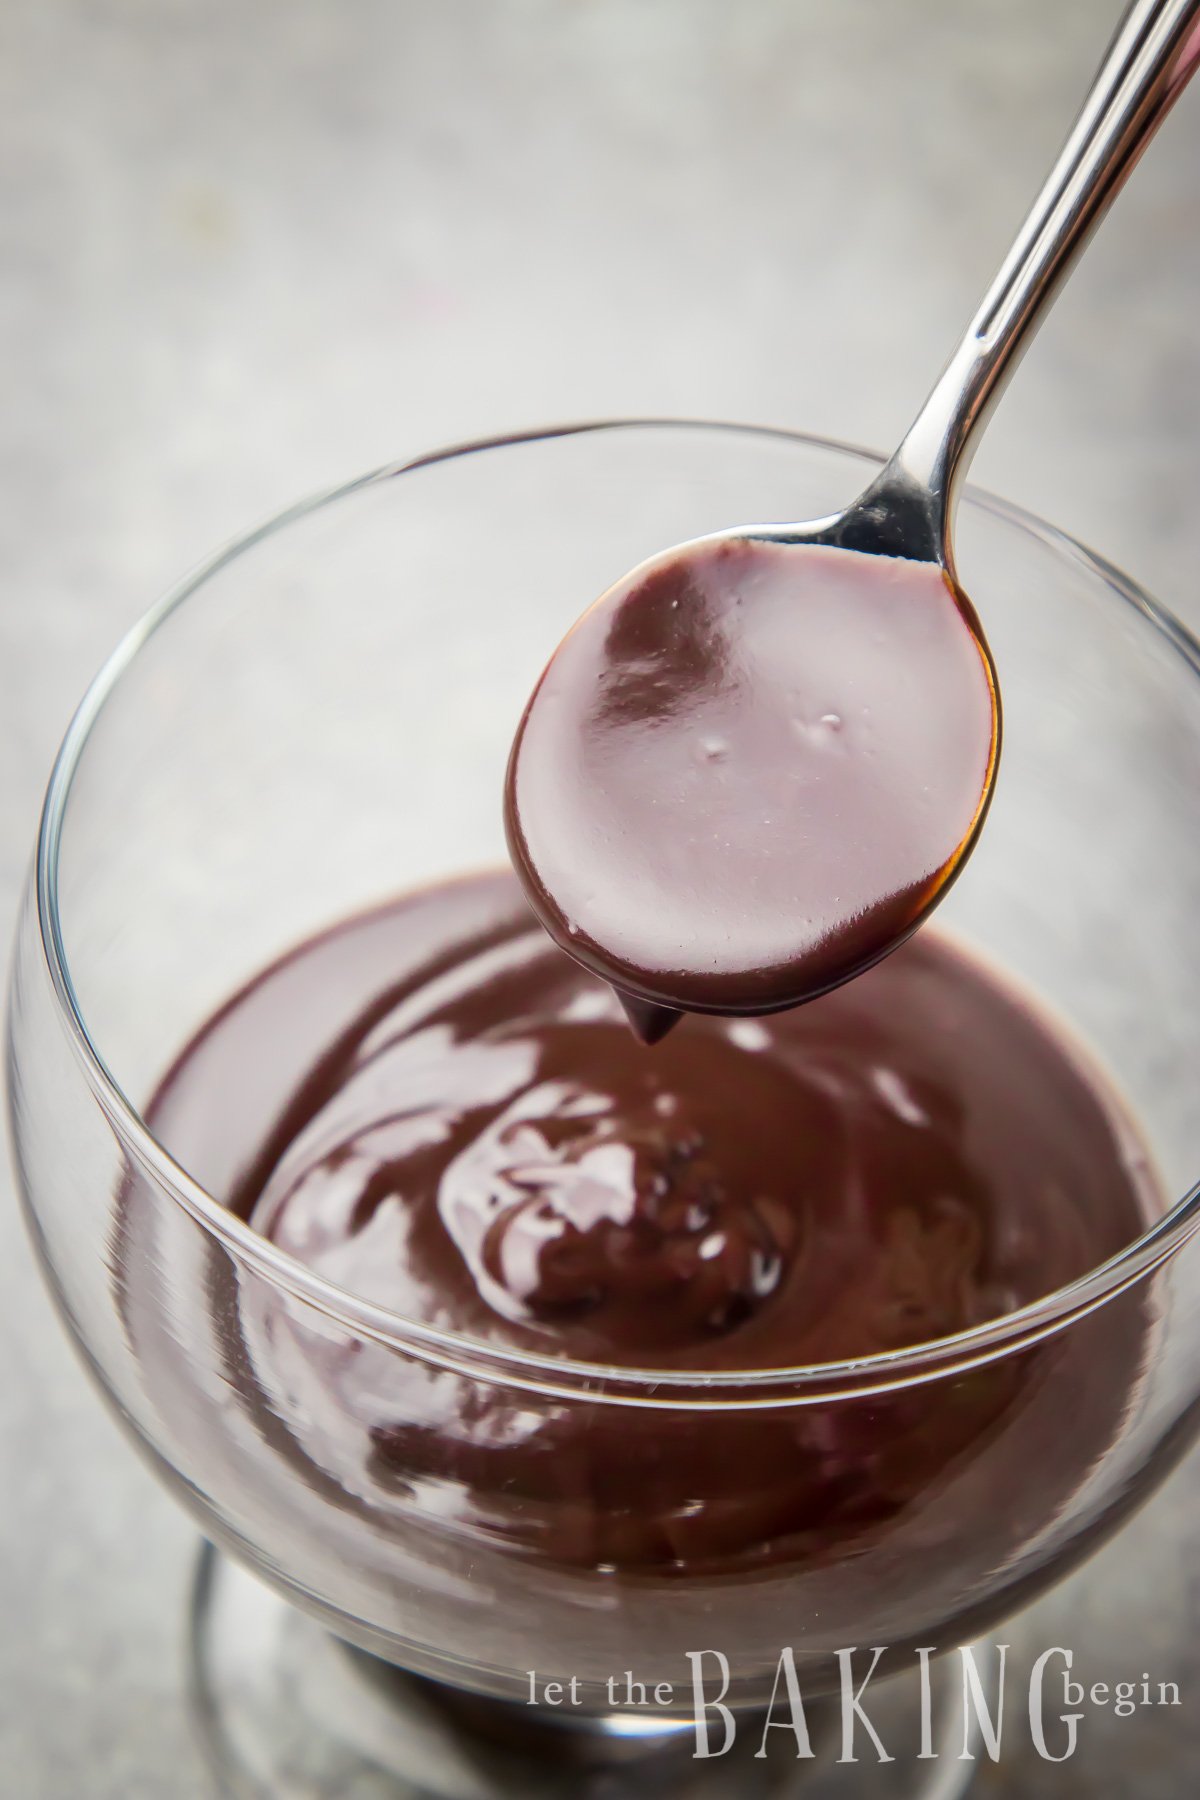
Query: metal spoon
(906, 513)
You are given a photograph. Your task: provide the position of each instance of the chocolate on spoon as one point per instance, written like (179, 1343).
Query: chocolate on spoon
(729, 794)
(755, 765)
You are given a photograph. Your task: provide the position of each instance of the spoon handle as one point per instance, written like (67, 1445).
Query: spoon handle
(1155, 51)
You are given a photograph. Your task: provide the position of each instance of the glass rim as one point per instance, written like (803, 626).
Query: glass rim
(541, 1371)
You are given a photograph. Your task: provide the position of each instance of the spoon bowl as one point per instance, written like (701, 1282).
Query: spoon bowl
(704, 737)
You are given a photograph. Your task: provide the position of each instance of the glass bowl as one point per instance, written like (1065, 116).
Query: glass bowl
(320, 719)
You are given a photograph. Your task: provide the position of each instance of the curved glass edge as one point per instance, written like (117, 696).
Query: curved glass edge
(536, 1372)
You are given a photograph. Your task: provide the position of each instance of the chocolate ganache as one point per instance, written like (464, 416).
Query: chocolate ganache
(479, 1143)
(749, 771)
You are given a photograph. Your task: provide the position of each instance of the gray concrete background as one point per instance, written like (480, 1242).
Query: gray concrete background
(248, 247)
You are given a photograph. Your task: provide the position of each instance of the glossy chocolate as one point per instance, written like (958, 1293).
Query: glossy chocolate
(478, 1142)
(748, 772)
